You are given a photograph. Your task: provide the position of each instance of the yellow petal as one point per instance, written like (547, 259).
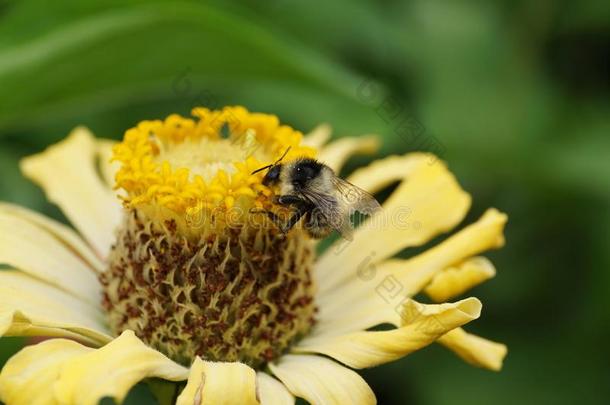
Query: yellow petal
(29, 307)
(422, 325)
(373, 293)
(454, 281)
(33, 250)
(336, 153)
(28, 377)
(64, 234)
(271, 391)
(485, 234)
(68, 175)
(211, 383)
(475, 350)
(112, 371)
(108, 169)
(428, 203)
(322, 381)
(318, 136)
(383, 172)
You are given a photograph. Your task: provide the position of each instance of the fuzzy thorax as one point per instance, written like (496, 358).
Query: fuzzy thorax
(193, 272)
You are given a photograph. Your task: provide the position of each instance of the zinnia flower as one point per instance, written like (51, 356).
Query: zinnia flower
(171, 276)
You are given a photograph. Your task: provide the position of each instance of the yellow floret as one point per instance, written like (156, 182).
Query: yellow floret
(196, 166)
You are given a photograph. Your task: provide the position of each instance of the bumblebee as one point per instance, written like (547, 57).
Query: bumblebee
(317, 195)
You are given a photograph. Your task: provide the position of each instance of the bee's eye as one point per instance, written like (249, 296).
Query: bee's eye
(304, 172)
(272, 176)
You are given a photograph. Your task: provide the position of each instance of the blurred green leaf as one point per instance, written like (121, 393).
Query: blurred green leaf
(164, 391)
(123, 55)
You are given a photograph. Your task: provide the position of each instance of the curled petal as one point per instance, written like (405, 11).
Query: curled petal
(112, 371)
(271, 391)
(321, 381)
(29, 376)
(211, 383)
(67, 172)
(29, 307)
(486, 233)
(454, 281)
(421, 325)
(475, 350)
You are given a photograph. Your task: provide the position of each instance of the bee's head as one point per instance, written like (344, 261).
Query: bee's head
(303, 172)
(273, 175)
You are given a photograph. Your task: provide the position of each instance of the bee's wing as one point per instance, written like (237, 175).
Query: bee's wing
(344, 227)
(333, 211)
(354, 198)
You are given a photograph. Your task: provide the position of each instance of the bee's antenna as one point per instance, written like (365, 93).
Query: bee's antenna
(261, 169)
(283, 156)
(276, 162)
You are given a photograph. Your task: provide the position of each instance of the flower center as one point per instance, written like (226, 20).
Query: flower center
(193, 272)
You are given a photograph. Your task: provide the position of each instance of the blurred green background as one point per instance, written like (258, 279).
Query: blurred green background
(512, 94)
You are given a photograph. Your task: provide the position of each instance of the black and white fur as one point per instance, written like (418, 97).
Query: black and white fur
(316, 194)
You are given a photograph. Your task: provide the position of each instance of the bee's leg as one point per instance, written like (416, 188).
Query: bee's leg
(283, 226)
(301, 206)
(302, 209)
(277, 221)
(290, 200)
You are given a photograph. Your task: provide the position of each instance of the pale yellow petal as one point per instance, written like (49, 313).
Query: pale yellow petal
(485, 234)
(29, 376)
(271, 391)
(336, 153)
(108, 169)
(475, 350)
(318, 136)
(372, 294)
(383, 172)
(64, 234)
(321, 381)
(33, 250)
(422, 325)
(29, 307)
(211, 383)
(428, 203)
(456, 280)
(112, 371)
(67, 172)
